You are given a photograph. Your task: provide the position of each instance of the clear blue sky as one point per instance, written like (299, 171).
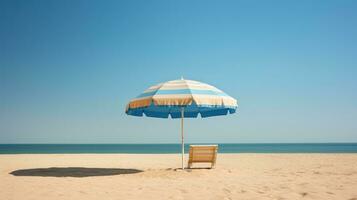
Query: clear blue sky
(68, 68)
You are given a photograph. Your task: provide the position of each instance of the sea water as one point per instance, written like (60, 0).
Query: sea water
(176, 148)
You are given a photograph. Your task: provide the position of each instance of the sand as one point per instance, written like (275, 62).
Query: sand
(140, 176)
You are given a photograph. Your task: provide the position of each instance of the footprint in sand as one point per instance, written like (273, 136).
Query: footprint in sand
(303, 194)
(283, 187)
(227, 191)
(183, 191)
(303, 184)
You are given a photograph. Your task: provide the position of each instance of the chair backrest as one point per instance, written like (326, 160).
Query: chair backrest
(203, 153)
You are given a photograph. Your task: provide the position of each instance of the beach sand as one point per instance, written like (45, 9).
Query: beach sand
(140, 176)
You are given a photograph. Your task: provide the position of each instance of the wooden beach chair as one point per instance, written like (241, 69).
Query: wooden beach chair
(203, 154)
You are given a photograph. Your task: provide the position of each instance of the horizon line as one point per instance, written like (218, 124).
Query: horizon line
(177, 143)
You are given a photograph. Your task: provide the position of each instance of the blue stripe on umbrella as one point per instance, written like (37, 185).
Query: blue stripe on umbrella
(191, 111)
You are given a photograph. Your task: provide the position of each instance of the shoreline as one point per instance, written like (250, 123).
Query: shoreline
(186, 153)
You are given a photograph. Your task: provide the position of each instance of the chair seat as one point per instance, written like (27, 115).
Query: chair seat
(203, 154)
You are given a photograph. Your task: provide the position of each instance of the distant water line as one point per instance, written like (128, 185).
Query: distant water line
(175, 148)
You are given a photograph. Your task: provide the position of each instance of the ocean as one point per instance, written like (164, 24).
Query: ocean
(176, 148)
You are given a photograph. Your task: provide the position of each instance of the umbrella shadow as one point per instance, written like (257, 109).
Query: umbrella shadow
(73, 172)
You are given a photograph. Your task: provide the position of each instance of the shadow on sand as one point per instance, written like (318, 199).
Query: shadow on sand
(73, 172)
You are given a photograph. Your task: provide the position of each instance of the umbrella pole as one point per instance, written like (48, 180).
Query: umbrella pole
(182, 138)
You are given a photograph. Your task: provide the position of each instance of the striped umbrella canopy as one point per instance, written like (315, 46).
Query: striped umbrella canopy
(182, 99)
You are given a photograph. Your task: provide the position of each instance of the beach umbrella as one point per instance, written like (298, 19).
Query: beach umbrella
(181, 99)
